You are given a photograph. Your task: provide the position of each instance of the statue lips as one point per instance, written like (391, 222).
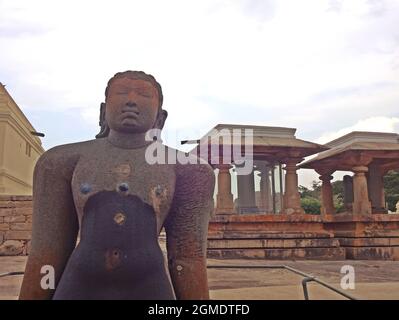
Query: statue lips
(129, 116)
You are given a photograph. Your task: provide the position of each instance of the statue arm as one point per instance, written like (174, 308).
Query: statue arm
(187, 229)
(55, 223)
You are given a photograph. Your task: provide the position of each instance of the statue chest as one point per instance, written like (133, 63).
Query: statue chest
(127, 174)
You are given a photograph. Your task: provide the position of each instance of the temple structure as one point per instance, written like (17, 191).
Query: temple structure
(258, 214)
(369, 155)
(263, 189)
(364, 229)
(19, 149)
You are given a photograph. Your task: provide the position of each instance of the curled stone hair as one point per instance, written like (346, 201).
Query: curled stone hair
(135, 75)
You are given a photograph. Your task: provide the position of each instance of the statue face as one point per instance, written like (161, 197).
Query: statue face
(132, 105)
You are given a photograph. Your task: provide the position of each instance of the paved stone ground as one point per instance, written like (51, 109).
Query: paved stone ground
(374, 279)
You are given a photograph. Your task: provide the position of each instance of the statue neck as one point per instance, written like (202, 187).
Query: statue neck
(127, 140)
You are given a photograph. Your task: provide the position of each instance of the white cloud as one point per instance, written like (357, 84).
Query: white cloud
(263, 62)
(374, 124)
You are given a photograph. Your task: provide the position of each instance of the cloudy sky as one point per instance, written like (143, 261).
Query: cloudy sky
(325, 67)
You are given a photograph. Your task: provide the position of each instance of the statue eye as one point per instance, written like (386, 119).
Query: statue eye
(145, 94)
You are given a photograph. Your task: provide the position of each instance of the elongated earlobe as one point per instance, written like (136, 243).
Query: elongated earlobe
(160, 122)
(104, 131)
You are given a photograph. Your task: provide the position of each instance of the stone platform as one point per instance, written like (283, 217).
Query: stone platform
(304, 236)
(366, 237)
(15, 225)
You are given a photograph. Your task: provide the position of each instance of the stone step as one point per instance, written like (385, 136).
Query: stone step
(372, 253)
(279, 254)
(272, 243)
(368, 242)
(367, 234)
(248, 234)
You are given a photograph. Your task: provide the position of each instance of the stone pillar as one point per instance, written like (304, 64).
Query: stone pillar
(224, 197)
(376, 188)
(265, 189)
(327, 202)
(246, 193)
(361, 202)
(348, 192)
(292, 198)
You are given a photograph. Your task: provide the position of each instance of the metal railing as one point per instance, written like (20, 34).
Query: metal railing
(307, 277)
(14, 273)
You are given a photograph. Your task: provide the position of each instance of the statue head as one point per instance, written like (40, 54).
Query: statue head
(133, 104)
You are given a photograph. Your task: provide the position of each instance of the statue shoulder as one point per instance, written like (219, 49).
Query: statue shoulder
(63, 158)
(188, 167)
(193, 196)
(195, 177)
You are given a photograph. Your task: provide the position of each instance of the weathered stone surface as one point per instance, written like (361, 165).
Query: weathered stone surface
(24, 211)
(372, 253)
(15, 224)
(28, 246)
(237, 254)
(21, 226)
(280, 254)
(267, 218)
(18, 235)
(364, 236)
(267, 235)
(15, 198)
(12, 219)
(4, 226)
(23, 204)
(6, 204)
(11, 248)
(6, 212)
(368, 242)
(273, 243)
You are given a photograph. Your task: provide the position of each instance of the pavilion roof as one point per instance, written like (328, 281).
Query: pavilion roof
(376, 144)
(264, 138)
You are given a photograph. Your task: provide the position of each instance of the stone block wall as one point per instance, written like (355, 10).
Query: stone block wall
(15, 225)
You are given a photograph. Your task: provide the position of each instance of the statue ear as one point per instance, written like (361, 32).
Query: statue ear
(104, 131)
(102, 114)
(160, 122)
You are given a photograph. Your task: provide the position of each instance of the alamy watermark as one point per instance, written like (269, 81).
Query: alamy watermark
(348, 280)
(47, 282)
(236, 148)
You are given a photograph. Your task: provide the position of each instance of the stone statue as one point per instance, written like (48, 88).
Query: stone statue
(105, 190)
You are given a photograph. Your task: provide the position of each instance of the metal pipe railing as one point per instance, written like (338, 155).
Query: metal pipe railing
(14, 273)
(307, 277)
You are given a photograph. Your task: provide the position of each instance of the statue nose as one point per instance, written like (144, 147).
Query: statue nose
(131, 103)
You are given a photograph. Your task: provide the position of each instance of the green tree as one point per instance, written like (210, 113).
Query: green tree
(391, 187)
(338, 195)
(310, 198)
(304, 192)
(311, 205)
